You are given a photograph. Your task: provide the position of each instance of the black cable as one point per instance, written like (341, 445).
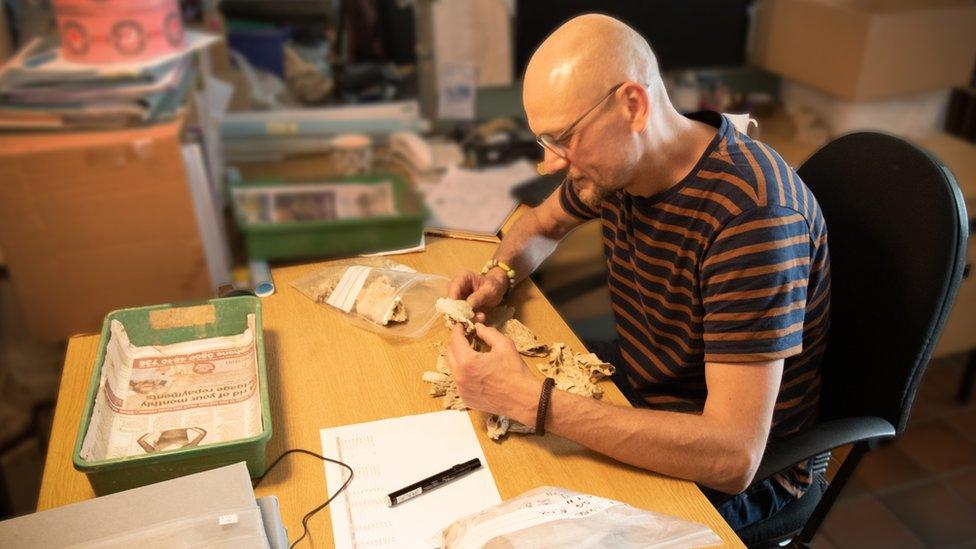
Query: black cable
(311, 513)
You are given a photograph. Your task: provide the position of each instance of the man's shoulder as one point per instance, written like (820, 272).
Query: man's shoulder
(750, 158)
(760, 173)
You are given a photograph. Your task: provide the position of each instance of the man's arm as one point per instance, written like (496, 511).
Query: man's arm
(535, 235)
(528, 243)
(721, 448)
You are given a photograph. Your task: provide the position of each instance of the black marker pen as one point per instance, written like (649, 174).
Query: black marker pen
(433, 481)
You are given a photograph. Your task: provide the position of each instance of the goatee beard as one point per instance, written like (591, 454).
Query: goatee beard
(595, 199)
(597, 196)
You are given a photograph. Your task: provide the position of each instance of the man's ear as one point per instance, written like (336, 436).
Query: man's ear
(637, 99)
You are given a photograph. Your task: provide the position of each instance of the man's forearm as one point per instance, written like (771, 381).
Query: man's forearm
(687, 446)
(527, 244)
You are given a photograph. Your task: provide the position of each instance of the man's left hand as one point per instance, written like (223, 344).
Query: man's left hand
(497, 382)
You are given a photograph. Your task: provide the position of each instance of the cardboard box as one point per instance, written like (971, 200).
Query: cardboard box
(867, 49)
(959, 334)
(907, 116)
(96, 221)
(960, 157)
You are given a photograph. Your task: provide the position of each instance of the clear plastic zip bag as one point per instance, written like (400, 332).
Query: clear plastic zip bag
(560, 518)
(381, 296)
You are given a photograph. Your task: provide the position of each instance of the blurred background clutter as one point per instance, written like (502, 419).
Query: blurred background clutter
(162, 150)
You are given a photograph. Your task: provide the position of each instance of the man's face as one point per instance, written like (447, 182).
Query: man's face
(601, 151)
(601, 160)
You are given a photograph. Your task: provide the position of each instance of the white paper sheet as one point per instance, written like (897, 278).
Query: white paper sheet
(392, 453)
(476, 201)
(421, 246)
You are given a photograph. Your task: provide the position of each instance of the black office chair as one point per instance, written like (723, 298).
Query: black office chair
(897, 231)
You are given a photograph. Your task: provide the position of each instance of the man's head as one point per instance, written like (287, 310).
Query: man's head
(568, 74)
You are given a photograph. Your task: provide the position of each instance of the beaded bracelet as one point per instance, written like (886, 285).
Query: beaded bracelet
(509, 272)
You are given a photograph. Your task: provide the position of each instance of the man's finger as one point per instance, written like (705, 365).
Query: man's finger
(478, 297)
(459, 346)
(461, 285)
(491, 336)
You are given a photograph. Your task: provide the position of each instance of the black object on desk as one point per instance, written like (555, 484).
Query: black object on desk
(535, 191)
(433, 481)
(502, 147)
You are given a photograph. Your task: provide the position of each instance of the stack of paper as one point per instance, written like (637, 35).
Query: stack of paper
(475, 203)
(41, 90)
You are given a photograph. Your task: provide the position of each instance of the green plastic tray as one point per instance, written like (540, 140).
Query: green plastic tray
(113, 475)
(308, 239)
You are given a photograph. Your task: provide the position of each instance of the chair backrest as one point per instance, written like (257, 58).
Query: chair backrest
(897, 232)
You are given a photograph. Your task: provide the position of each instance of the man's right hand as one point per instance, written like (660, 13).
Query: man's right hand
(482, 292)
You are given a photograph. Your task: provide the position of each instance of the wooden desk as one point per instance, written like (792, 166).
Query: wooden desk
(324, 373)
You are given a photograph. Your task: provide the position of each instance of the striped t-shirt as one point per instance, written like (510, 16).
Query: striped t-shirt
(728, 265)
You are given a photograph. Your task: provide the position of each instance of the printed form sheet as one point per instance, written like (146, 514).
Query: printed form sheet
(392, 453)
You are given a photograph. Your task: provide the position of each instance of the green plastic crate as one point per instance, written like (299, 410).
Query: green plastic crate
(340, 237)
(114, 475)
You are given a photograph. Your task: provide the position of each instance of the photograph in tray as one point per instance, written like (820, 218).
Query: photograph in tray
(314, 202)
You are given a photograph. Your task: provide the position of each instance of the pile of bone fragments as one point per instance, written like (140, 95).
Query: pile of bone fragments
(575, 373)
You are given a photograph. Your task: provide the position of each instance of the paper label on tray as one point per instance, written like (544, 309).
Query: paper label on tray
(346, 292)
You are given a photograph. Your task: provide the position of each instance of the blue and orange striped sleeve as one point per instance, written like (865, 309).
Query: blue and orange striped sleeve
(754, 279)
(571, 202)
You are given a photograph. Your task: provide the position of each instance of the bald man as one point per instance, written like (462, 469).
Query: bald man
(718, 274)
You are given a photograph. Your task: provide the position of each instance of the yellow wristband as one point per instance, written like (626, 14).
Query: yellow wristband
(509, 272)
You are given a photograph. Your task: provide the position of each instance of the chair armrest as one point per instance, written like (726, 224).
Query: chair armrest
(782, 453)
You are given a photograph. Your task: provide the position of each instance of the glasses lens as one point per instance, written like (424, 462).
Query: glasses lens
(547, 142)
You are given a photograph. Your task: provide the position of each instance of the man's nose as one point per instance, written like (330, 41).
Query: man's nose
(551, 163)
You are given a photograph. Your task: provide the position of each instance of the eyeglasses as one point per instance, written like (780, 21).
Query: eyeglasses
(552, 144)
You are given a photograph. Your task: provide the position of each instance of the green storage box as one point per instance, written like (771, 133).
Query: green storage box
(338, 237)
(223, 317)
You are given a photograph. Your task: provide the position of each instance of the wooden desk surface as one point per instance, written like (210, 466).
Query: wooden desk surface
(324, 372)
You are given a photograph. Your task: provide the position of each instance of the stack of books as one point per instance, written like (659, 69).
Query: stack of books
(40, 90)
